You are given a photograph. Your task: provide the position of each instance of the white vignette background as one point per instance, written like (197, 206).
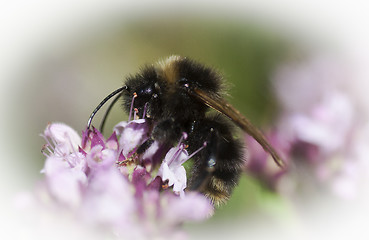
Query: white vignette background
(343, 22)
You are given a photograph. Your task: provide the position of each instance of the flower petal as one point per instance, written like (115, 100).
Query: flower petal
(64, 136)
(171, 170)
(64, 183)
(194, 207)
(132, 134)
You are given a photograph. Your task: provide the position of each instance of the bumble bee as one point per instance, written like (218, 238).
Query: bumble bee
(175, 94)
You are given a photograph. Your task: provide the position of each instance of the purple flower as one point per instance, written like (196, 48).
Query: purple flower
(65, 167)
(132, 134)
(260, 164)
(317, 131)
(171, 169)
(107, 184)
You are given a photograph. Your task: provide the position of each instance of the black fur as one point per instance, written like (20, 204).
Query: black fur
(221, 147)
(174, 111)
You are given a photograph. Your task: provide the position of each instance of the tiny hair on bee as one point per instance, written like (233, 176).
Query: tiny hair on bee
(176, 94)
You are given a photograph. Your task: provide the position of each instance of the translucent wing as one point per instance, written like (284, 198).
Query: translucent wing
(225, 108)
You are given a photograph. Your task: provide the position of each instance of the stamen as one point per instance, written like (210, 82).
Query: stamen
(144, 112)
(176, 154)
(180, 147)
(198, 150)
(71, 146)
(45, 147)
(57, 151)
(130, 111)
(184, 137)
(46, 155)
(52, 146)
(165, 185)
(52, 138)
(135, 114)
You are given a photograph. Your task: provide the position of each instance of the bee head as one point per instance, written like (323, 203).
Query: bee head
(160, 91)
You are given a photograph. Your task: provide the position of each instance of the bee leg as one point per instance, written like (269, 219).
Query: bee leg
(167, 133)
(144, 146)
(218, 167)
(206, 170)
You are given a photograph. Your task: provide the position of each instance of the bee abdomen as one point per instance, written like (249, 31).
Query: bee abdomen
(218, 167)
(223, 180)
(218, 191)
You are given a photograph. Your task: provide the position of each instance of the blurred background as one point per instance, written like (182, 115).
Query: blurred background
(59, 60)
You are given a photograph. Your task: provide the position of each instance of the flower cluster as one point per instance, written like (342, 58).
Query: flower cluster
(318, 132)
(106, 183)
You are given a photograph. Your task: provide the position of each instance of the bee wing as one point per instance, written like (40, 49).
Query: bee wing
(227, 109)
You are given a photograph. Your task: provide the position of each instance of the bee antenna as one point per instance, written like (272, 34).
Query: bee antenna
(119, 90)
(108, 111)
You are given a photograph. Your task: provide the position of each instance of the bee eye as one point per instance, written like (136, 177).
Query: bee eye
(184, 82)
